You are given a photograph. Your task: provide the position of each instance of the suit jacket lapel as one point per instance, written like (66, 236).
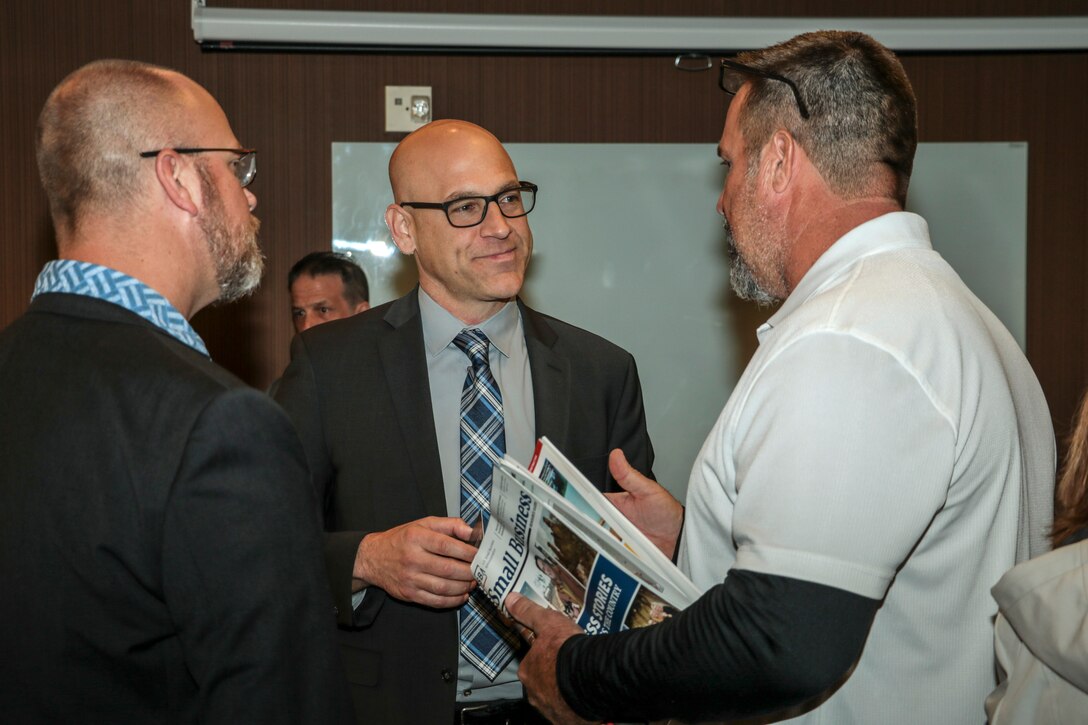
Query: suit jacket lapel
(404, 361)
(551, 378)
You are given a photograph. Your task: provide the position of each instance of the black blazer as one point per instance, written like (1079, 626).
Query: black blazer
(159, 555)
(357, 390)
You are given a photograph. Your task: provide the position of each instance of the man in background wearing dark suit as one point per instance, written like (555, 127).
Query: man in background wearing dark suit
(158, 544)
(386, 415)
(326, 286)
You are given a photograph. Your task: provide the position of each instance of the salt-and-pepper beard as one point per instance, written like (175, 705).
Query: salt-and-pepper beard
(235, 253)
(741, 277)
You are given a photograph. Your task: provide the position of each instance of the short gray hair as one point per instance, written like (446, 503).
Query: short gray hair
(862, 113)
(91, 130)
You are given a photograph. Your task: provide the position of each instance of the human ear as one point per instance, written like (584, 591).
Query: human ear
(401, 227)
(173, 179)
(780, 154)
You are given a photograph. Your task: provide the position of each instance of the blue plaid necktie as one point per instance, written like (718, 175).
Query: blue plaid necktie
(486, 640)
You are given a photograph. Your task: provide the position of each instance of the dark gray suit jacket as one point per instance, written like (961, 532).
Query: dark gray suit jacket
(358, 392)
(159, 555)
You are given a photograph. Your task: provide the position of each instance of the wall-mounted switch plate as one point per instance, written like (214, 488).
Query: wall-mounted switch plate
(407, 107)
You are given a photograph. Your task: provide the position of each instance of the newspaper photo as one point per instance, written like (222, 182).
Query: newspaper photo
(566, 549)
(553, 468)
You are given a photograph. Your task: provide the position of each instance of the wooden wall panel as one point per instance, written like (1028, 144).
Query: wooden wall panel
(293, 106)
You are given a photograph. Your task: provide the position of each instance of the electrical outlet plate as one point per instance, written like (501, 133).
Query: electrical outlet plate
(407, 107)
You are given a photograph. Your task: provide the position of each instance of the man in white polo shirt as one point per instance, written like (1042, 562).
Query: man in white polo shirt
(884, 458)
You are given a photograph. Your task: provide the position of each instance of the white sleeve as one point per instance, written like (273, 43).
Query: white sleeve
(842, 460)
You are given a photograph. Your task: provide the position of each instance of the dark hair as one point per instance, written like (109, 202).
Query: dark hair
(1072, 490)
(315, 264)
(863, 117)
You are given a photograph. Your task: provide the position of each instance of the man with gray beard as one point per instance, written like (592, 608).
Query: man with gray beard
(159, 544)
(885, 457)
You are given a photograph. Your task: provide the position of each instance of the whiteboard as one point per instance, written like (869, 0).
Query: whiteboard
(627, 244)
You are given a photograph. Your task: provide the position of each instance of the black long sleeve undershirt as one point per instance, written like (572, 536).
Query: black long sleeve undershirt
(756, 644)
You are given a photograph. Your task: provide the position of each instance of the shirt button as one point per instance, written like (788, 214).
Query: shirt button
(467, 692)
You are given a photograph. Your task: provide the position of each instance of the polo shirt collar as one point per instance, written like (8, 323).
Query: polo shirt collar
(886, 233)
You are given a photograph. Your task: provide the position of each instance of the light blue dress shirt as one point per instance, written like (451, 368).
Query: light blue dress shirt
(447, 368)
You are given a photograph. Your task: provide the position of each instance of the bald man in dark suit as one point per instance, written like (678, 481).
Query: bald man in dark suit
(376, 400)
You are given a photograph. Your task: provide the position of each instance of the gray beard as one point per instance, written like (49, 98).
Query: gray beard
(238, 260)
(741, 277)
(238, 276)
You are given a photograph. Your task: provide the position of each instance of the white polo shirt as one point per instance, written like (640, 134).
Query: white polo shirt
(890, 439)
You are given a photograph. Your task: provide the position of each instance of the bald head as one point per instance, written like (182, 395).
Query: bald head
(471, 269)
(439, 153)
(97, 121)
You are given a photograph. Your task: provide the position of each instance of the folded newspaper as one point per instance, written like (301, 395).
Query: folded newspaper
(556, 539)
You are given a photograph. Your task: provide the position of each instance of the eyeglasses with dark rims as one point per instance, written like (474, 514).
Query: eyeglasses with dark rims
(244, 167)
(469, 211)
(733, 75)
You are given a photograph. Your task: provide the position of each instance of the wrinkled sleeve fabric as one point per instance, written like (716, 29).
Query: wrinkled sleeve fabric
(843, 462)
(753, 645)
(241, 567)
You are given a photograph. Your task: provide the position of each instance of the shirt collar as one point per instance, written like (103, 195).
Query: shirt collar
(440, 327)
(888, 232)
(73, 277)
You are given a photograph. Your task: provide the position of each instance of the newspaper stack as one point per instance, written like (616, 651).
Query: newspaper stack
(553, 537)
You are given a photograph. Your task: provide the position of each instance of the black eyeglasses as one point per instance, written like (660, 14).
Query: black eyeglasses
(244, 167)
(733, 75)
(468, 211)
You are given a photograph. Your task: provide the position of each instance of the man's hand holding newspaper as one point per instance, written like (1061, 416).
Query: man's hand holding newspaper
(646, 504)
(550, 630)
(554, 538)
